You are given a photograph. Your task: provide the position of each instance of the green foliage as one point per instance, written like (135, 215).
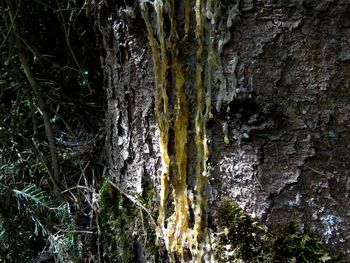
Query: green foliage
(59, 44)
(36, 205)
(44, 220)
(64, 245)
(242, 239)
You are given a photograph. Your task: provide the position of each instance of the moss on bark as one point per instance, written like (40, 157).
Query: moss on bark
(240, 238)
(125, 231)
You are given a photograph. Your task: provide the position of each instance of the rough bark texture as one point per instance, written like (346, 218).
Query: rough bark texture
(287, 120)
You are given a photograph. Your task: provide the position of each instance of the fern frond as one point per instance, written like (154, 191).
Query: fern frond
(46, 216)
(64, 246)
(41, 209)
(2, 232)
(34, 197)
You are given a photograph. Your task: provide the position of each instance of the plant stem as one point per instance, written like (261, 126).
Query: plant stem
(13, 5)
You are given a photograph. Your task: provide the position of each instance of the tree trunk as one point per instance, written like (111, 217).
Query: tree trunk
(266, 84)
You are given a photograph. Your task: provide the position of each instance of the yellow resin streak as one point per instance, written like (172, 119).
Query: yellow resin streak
(178, 228)
(175, 230)
(201, 239)
(160, 65)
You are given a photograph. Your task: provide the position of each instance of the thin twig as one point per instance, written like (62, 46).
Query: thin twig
(34, 85)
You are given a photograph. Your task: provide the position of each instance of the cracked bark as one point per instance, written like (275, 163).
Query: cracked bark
(287, 124)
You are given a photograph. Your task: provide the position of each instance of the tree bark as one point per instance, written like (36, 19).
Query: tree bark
(278, 123)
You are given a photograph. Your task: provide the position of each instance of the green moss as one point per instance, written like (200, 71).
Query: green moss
(124, 225)
(148, 233)
(117, 223)
(289, 244)
(242, 239)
